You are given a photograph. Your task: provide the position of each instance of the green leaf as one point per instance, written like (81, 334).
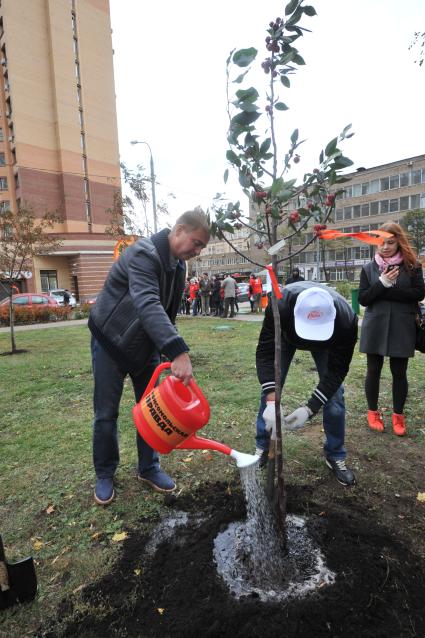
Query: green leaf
(248, 107)
(247, 95)
(321, 157)
(331, 146)
(298, 59)
(291, 6)
(244, 118)
(265, 146)
(342, 162)
(240, 77)
(309, 10)
(233, 158)
(280, 106)
(296, 16)
(285, 81)
(294, 136)
(244, 180)
(226, 175)
(277, 186)
(244, 57)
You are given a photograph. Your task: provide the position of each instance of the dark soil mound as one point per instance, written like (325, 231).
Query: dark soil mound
(379, 589)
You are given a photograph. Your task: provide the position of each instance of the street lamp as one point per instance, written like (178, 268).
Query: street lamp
(155, 229)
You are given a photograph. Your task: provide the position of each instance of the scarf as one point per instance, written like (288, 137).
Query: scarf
(383, 263)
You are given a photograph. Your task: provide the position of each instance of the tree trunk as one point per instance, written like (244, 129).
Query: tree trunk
(12, 326)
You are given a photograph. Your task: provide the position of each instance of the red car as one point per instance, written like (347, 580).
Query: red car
(31, 299)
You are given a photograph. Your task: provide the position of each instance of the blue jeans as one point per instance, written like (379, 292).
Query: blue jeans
(108, 388)
(333, 412)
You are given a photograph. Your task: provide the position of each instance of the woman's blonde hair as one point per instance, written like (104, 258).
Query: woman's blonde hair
(409, 256)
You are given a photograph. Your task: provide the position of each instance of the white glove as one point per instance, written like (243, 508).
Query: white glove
(298, 418)
(386, 281)
(269, 416)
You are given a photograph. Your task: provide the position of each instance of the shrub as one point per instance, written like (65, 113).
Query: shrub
(344, 288)
(35, 314)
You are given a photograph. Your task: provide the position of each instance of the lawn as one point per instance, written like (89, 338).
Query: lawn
(46, 495)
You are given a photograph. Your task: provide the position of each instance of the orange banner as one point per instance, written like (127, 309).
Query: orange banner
(274, 282)
(365, 236)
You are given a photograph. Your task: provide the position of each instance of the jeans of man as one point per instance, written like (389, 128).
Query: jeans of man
(108, 388)
(195, 307)
(333, 411)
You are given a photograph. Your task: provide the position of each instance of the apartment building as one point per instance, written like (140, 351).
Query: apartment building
(58, 133)
(371, 197)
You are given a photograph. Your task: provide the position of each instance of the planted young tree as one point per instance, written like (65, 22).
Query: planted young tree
(263, 171)
(23, 236)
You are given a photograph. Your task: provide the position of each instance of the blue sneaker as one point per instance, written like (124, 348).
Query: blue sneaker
(104, 492)
(158, 480)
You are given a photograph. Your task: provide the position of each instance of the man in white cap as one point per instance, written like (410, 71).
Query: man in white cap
(314, 318)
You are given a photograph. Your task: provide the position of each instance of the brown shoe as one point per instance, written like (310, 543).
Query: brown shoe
(399, 425)
(375, 421)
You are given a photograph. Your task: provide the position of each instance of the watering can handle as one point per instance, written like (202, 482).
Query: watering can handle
(165, 366)
(154, 378)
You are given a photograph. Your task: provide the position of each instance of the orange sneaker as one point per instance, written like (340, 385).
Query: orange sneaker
(375, 421)
(399, 425)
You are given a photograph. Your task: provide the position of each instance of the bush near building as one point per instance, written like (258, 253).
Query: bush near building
(27, 314)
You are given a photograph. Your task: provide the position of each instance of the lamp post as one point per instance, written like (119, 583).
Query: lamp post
(155, 228)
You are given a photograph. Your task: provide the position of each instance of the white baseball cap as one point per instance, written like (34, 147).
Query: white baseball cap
(314, 314)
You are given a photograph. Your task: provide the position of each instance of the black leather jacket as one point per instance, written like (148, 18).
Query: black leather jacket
(340, 345)
(133, 317)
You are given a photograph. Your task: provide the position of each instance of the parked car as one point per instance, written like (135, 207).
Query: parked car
(57, 293)
(31, 299)
(243, 292)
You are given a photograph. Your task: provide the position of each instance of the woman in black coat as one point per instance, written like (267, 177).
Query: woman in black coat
(391, 286)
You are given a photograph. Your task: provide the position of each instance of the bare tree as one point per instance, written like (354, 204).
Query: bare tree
(23, 236)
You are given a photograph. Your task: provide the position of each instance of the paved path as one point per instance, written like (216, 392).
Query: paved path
(243, 315)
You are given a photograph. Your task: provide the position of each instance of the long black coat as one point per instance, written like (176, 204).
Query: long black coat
(389, 326)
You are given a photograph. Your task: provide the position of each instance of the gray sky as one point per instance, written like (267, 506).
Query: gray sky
(170, 83)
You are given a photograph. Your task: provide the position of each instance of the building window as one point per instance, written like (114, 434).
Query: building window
(374, 186)
(348, 192)
(2, 159)
(423, 176)
(365, 210)
(414, 201)
(374, 208)
(3, 183)
(394, 181)
(1, 135)
(357, 190)
(49, 280)
(4, 206)
(404, 203)
(393, 205)
(347, 212)
(416, 177)
(365, 188)
(384, 206)
(384, 183)
(422, 205)
(404, 179)
(356, 211)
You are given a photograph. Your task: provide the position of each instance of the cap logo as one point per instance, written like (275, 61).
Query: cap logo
(314, 314)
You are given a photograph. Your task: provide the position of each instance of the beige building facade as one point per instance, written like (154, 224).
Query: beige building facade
(371, 197)
(58, 133)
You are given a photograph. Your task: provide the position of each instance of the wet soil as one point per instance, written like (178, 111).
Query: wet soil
(379, 589)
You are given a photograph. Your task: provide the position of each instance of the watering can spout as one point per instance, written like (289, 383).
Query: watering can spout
(244, 460)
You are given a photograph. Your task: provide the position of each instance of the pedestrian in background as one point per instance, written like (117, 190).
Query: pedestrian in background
(229, 289)
(215, 296)
(205, 293)
(257, 290)
(193, 295)
(294, 277)
(391, 286)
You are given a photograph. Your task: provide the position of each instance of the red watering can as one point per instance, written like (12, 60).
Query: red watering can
(168, 416)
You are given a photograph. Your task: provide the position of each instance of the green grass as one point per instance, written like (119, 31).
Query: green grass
(46, 495)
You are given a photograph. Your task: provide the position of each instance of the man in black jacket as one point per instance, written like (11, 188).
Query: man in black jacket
(314, 318)
(132, 324)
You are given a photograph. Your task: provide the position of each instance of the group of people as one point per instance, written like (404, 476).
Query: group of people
(132, 325)
(215, 296)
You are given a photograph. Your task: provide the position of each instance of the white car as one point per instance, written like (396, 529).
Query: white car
(58, 295)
